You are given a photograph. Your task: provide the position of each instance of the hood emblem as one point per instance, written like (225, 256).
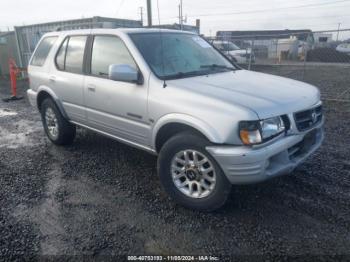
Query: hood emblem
(314, 117)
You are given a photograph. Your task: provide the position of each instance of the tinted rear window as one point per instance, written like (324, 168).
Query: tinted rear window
(61, 56)
(43, 50)
(75, 54)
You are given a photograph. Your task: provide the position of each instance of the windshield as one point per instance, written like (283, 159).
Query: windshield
(178, 55)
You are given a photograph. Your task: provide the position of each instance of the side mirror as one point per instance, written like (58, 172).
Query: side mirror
(125, 73)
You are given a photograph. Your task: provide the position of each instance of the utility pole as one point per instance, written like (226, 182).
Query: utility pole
(181, 20)
(338, 31)
(198, 25)
(149, 12)
(141, 14)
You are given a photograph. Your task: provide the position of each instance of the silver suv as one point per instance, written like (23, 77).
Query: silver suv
(172, 94)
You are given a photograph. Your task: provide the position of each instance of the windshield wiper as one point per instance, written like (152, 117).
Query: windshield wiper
(184, 75)
(199, 72)
(216, 66)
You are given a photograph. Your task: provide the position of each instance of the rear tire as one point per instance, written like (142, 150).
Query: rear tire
(56, 127)
(204, 190)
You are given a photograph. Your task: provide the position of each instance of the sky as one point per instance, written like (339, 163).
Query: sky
(215, 15)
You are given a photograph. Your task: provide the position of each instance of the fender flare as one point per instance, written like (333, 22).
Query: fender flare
(54, 97)
(208, 131)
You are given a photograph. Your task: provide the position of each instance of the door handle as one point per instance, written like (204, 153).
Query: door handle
(52, 79)
(91, 88)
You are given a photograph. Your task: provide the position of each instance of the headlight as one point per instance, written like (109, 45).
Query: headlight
(256, 132)
(249, 132)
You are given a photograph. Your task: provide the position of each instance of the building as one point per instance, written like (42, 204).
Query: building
(323, 39)
(28, 36)
(270, 43)
(264, 34)
(7, 50)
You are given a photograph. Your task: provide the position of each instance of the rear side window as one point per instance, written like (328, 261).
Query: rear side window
(108, 50)
(70, 56)
(61, 56)
(43, 50)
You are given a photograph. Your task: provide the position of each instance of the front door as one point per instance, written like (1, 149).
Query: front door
(115, 107)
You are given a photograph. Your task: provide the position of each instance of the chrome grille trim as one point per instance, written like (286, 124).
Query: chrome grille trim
(307, 119)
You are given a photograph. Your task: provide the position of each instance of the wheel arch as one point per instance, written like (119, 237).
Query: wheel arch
(173, 124)
(45, 92)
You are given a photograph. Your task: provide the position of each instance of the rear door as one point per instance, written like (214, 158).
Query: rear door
(67, 77)
(118, 108)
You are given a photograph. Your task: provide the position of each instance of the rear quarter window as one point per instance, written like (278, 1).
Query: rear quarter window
(43, 50)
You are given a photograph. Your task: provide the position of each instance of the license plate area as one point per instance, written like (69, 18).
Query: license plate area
(303, 146)
(310, 139)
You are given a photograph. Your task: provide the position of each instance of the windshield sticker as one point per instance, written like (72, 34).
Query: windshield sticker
(201, 42)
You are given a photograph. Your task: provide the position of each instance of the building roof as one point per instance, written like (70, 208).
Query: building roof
(82, 21)
(2, 34)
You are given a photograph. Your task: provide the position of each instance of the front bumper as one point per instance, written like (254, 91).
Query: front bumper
(246, 165)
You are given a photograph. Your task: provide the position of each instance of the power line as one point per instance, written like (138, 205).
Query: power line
(297, 18)
(268, 10)
(220, 7)
(120, 6)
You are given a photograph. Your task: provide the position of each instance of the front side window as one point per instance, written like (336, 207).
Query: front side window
(179, 55)
(108, 50)
(43, 50)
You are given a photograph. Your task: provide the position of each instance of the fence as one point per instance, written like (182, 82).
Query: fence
(28, 36)
(321, 58)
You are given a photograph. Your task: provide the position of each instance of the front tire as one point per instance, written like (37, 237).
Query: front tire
(190, 175)
(56, 127)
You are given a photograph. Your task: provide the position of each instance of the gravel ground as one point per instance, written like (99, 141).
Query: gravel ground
(101, 198)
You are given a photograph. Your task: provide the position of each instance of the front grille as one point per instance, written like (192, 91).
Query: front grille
(307, 119)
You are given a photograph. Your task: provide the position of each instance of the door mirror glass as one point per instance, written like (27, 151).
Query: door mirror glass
(125, 73)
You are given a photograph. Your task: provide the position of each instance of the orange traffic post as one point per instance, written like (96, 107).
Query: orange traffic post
(13, 78)
(14, 71)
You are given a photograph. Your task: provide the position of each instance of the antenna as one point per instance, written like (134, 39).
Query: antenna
(161, 44)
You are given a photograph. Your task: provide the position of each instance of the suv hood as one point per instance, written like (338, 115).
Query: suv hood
(267, 95)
